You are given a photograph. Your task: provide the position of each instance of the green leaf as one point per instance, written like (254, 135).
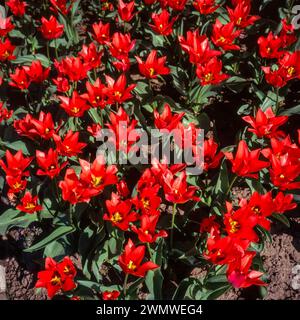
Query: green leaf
(132, 290)
(270, 100)
(255, 185)
(222, 184)
(236, 84)
(282, 218)
(180, 78)
(214, 294)
(291, 111)
(90, 285)
(154, 278)
(14, 218)
(57, 249)
(56, 234)
(182, 290)
(27, 59)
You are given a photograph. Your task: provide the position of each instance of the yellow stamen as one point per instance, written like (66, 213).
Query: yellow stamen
(131, 266)
(116, 218)
(96, 181)
(235, 226)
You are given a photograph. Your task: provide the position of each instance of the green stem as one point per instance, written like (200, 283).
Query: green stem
(95, 74)
(125, 285)
(231, 185)
(48, 51)
(277, 100)
(54, 181)
(172, 225)
(56, 53)
(101, 117)
(149, 250)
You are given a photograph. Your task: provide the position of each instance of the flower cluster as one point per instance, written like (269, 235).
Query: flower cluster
(71, 71)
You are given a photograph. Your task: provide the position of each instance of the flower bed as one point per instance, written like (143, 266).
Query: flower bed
(126, 127)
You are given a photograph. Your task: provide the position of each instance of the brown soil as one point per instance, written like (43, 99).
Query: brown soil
(280, 257)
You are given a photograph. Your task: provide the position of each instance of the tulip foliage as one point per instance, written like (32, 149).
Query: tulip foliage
(69, 69)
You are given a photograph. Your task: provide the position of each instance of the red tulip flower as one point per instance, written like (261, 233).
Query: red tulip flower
(119, 212)
(211, 72)
(117, 90)
(19, 79)
(16, 184)
(176, 188)
(131, 260)
(246, 163)
(177, 4)
(271, 46)
(51, 29)
(96, 94)
(212, 157)
(240, 275)
(97, 174)
(15, 164)
(122, 188)
(162, 23)
(125, 134)
(125, 10)
(266, 124)
(7, 50)
(6, 26)
(153, 66)
(62, 84)
(224, 35)
(240, 223)
(287, 33)
(284, 172)
(33, 128)
(36, 72)
(48, 162)
(224, 250)
(262, 207)
(17, 7)
(74, 191)
(69, 146)
(148, 200)
(101, 32)
(5, 114)
(147, 231)
(198, 47)
(29, 204)
(121, 45)
(74, 106)
(73, 68)
(57, 276)
(167, 120)
(205, 6)
(91, 56)
(110, 295)
(240, 15)
(284, 203)
(276, 78)
(290, 63)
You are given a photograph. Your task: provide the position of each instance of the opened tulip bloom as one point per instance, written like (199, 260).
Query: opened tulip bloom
(147, 231)
(162, 23)
(120, 212)
(131, 260)
(51, 29)
(29, 204)
(57, 276)
(153, 66)
(246, 163)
